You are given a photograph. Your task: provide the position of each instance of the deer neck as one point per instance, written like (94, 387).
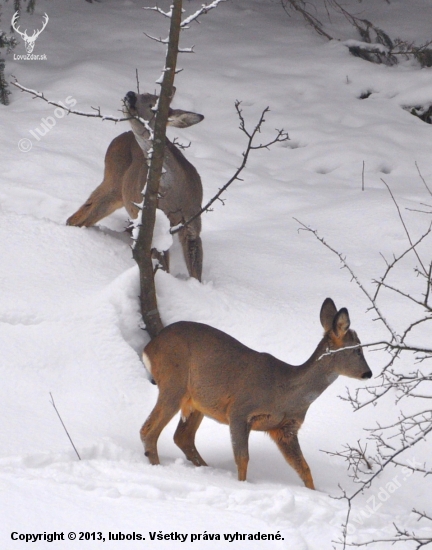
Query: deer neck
(169, 176)
(316, 374)
(144, 141)
(146, 144)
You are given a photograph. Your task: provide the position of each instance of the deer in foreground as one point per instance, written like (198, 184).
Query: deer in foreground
(126, 173)
(201, 370)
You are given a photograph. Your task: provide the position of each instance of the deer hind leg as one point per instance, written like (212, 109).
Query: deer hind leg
(184, 437)
(99, 205)
(166, 407)
(287, 441)
(192, 249)
(239, 430)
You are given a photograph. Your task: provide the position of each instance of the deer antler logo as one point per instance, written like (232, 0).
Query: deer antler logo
(28, 40)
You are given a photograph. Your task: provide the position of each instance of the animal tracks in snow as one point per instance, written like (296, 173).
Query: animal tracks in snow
(115, 473)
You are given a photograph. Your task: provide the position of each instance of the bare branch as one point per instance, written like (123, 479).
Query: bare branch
(158, 10)
(203, 10)
(300, 6)
(392, 440)
(423, 180)
(160, 40)
(396, 259)
(355, 456)
(404, 225)
(281, 136)
(405, 294)
(40, 95)
(137, 80)
(354, 277)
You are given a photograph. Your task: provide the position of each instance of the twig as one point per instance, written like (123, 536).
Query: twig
(160, 40)
(167, 14)
(309, 18)
(341, 257)
(40, 95)
(405, 294)
(205, 8)
(398, 436)
(64, 427)
(137, 80)
(202, 11)
(404, 226)
(396, 259)
(281, 136)
(422, 178)
(354, 456)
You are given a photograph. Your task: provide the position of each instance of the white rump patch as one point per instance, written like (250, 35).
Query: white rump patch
(147, 362)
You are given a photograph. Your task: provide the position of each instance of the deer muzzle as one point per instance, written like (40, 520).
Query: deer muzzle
(131, 99)
(367, 374)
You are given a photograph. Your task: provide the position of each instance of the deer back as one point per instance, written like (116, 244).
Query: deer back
(213, 370)
(180, 190)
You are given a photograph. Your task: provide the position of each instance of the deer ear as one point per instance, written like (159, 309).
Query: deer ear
(183, 119)
(341, 322)
(327, 314)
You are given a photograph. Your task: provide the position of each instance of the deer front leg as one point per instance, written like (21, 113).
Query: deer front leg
(239, 430)
(287, 441)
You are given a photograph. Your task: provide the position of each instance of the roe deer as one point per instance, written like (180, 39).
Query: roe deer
(203, 371)
(126, 173)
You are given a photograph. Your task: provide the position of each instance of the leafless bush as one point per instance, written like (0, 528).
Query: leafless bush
(375, 44)
(405, 379)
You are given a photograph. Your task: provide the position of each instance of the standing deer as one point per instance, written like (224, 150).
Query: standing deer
(203, 371)
(126, 173)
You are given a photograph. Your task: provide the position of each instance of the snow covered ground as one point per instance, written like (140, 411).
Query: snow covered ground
(69, 315)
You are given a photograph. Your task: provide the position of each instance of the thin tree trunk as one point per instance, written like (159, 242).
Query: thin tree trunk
(142, 249)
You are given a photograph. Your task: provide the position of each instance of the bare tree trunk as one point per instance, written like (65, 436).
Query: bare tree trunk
(143, 245)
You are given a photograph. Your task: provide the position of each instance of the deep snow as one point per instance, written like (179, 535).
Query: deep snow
(69, 311)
